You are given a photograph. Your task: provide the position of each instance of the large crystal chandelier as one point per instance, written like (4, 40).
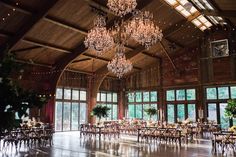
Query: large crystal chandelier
(121, 7)
(99, 38)
(143, 29)
(119, 65)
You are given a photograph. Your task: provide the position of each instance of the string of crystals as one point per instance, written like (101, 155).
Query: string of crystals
(99, 38)
(119, 65)
(121, 7)
(143, 29)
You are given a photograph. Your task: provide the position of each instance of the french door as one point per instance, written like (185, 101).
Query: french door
(216, 112)
(68, 115)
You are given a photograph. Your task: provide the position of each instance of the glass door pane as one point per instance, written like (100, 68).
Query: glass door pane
(131, 111)
(66, 116)
(170, 113)
(181, 112)
(145, 115)
(109, 112)
(58, 116)
(192, 112)
(212, 113)
(75, 116)
(139, 111)
(224, 121)
(83, 111)
(115, 113)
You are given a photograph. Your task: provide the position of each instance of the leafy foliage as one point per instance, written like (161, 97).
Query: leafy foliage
(100, 111)
(13, 98)
(150, 111)
(230, 110)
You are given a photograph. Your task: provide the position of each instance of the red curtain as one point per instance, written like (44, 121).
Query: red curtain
(49, 111)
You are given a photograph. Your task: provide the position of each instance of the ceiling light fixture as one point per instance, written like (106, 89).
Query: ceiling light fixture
(99, 38)
(121, 7)
(119, 65)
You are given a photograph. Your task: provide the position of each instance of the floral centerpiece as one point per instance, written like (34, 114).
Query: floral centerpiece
(135, 122)
(233, 129)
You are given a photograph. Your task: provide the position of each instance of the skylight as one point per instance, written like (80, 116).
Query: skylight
(171, 2)
(189, 11)
(203, 4)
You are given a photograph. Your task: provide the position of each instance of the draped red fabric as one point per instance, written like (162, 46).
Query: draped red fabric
(49, 111)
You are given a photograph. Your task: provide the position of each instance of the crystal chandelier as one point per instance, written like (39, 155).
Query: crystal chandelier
(99, 38)
(143, 29)
(119, 65)
(121, 7)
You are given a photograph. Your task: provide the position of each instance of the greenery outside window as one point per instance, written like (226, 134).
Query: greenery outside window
(139, 101)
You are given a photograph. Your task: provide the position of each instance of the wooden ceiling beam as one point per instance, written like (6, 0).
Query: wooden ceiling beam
(80, 49)
(65, 24)
(104, 59)
(12, 5)
(168, 56)
(45, 45)
(150, 55)
(28, 26)
(174, 28)
(26, 49)
(96, 57)
(218, 9)
(6, 33)
(32, 63)
(225, 13)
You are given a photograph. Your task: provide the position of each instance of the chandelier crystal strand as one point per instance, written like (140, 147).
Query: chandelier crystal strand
(119, 65)
(143, 29)
(99, 38)
(121, 7)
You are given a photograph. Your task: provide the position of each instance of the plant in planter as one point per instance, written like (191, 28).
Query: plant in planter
(151, 112)
(100, 111)
(230, 110)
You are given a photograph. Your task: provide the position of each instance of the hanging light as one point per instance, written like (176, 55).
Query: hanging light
(99, 38)
(119, 65)
(121, 7)
(143, 29)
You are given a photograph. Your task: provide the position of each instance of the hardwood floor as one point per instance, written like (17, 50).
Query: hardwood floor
(68, 144)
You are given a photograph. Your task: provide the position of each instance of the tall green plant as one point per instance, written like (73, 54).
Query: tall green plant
(230, 110)
(100, 111)
(151, 112)
(13, 98)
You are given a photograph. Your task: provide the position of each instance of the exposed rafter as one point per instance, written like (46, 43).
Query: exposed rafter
(168, 56)
(45, 45)
(217, 8)
(5, 33)
(80, 49)
(29, 25)
(104, 59)
(225, 13)
(150, 55)
(26, 49)
(65, 24)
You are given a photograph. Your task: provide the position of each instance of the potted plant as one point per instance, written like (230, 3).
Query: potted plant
(100, 111)
(151, 112)
(230, 110)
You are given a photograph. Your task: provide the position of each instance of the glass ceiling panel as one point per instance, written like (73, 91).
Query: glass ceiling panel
(189, 11)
